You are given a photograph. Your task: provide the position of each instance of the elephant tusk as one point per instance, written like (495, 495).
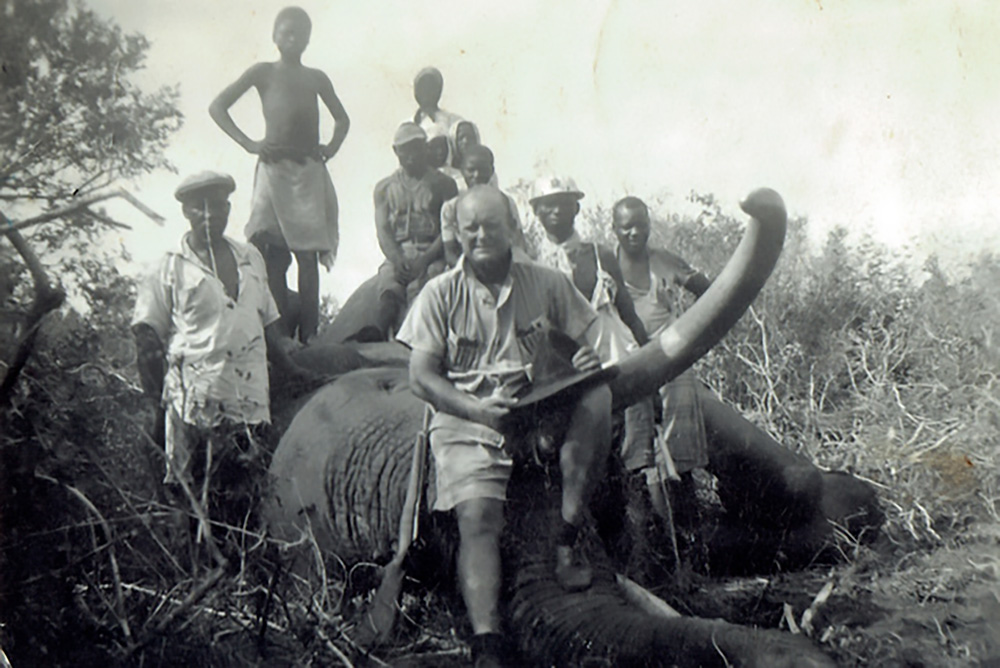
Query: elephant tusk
(702, 326)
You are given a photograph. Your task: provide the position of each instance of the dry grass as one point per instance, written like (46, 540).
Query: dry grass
(844, 357)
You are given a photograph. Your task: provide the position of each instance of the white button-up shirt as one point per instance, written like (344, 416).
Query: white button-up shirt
(216, 351)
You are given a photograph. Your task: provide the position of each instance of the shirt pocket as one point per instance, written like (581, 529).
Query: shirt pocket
(463, 352)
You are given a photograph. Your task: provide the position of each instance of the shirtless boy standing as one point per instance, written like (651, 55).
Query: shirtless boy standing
(294, 202)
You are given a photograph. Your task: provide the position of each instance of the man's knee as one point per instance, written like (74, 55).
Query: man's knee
(276, 258)
(594, 407)
(388, 286)
(308, 262)
(479, 518)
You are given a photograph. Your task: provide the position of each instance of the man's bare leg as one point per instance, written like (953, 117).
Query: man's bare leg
(277, 259)
(582, 461)
(480, 522)
(308, 265)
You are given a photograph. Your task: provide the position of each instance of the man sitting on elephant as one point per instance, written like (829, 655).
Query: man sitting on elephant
(408, 225)
(470, 331)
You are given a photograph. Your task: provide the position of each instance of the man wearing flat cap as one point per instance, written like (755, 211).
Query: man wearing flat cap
(408, 225)
(475, 332)
(204, 324)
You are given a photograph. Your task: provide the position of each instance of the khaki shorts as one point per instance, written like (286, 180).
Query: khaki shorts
(470, 461)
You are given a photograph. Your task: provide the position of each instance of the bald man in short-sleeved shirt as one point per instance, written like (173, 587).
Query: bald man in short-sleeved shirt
(472, 331)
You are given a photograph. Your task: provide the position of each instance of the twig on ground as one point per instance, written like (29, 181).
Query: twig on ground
(722, 654)
(788, 617)
(192, 599)
(810, 612)
(333, 648)
(119, 608)
(149, 525)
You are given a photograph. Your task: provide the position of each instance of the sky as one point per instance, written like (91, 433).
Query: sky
(880, 116)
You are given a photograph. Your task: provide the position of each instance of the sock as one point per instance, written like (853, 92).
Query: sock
(567, 534)
(486, 643)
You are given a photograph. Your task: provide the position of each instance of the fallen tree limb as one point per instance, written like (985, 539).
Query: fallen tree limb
(189, 602)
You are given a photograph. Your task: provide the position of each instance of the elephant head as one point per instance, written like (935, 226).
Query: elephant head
(341, 468)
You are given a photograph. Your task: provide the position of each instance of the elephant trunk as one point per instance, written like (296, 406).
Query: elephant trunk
(694, 333)
(601, 626)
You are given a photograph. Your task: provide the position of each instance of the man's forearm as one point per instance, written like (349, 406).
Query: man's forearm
(220, 115)
(340, 129)
(392, 251)
(386, 239)
(445, 397)
(428, 383)
(150, 360)
(435, 252)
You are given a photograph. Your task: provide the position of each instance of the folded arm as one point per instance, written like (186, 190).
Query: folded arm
(623, 301)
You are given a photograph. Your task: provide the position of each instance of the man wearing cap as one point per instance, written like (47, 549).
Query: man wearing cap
(472, 331)
(204, 324)
(594, 270)
(408, 225)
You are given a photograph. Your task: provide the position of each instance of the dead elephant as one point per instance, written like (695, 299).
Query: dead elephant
(342, 466)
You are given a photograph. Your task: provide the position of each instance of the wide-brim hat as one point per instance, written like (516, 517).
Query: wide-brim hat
(207, 180)
(553, 371)
(547, 186)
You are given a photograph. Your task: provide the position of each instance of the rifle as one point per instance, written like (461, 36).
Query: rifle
(381, 613)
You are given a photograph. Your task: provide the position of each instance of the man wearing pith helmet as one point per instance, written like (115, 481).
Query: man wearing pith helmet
(204, 325)
(594, 270)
